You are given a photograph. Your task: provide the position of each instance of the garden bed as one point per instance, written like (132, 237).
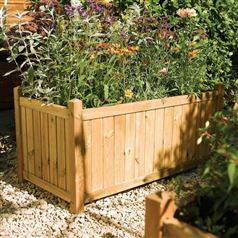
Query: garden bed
(84, 154)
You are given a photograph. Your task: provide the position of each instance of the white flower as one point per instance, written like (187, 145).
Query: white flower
(164, 71)
(186, 12)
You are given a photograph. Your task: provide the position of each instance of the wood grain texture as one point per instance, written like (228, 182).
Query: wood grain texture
(37, 143)
(108, 152)
(120, 135)
(45, 147)
(77, 188)
(30, 141)
(18, 118)
(130, 147)
(61, 154)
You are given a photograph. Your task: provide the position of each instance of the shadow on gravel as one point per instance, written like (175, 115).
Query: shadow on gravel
(108, 222)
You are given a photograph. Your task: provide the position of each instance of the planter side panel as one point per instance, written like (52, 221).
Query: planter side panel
(130, 149)
(45, 130)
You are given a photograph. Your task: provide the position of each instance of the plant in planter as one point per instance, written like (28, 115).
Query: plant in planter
(102, 58)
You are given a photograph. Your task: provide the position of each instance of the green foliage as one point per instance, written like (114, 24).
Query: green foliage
(215, 207)
(103, 57)
(220, 19)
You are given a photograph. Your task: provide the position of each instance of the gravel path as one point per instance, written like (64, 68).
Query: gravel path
(28, 211)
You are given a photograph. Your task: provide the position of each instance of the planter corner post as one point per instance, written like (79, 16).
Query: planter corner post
(17, 111)
(76, 175)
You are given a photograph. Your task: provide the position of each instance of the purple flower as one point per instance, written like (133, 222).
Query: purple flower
(69, 10)
(82, 12)
(96, 7)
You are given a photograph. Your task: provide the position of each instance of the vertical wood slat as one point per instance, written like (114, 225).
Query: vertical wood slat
(53, 149)
(130, 147)
(108, 152)
(120, 129)
(30, 141)
(61, 153)
(45, 146)
(177, 137)
(185, 132)
(20, 162)
(159, 140)
(97, 154)
(24, 140)
(168, 135)
(150, 141)
(77, 188)
(87, 132)
(67, 155)
(37, 143)
(139, 145)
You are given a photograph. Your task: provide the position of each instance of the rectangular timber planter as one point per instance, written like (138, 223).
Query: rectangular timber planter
(84, 154)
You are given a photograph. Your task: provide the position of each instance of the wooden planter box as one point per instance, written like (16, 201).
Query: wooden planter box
(84, 154)
(160, 221)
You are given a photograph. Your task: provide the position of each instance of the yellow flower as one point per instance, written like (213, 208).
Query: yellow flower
(192, 44)
(128, 93)
(193, 54)
(186, 12)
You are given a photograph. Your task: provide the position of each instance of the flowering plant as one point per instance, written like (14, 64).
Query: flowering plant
(103, 56)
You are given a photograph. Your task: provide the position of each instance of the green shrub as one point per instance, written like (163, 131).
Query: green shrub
(105, 57)
(220, 19)
(215, 207)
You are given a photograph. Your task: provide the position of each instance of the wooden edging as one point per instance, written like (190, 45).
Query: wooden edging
(52, 109)
(107, 111)
(160, 221)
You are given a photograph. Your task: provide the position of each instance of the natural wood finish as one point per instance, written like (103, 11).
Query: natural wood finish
(87, 131)
(61, 153)
(159, 207)
(159, 140)
(76, 160)
(130, 147)
(120, 133)
(150, 141)
(30, 141)
(108, 152)
(24, 139)
(45, 147)
(37, 143)
(52, 109)
(160, 221)
(47, 186)
(20, 163)
(94, 158)
(67, 155)
(107, 111)
(140, 140)
(53, 149)
(173, 228)
(97, 155)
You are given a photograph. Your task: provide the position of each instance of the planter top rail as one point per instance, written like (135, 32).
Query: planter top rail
(120, 109)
